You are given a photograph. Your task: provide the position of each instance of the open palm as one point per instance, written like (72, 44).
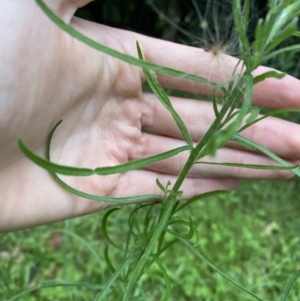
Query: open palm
(46, 76)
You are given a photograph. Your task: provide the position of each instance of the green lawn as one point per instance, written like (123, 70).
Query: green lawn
(252, 235)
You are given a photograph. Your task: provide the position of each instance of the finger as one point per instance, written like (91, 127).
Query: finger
(51, 203)
(198, 116)
(271, 93)
(65, 8)
(144, 182)
(174, 165)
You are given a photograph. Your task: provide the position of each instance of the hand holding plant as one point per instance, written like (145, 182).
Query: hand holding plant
(128, 146)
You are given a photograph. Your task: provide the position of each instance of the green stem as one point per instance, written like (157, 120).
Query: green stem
(170, 202)
(168, 209)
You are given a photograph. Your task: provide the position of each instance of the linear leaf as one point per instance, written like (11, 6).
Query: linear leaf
(77, 171)
(166, 213)
(140, 163)
(254, 112)
(93, 197)
(164, 99)
(149, 217)
(296, 34)
(105, 291)
(222, 136)
(161, 186)
(201, 197)
(126, 200)
(281, 50)
(240, 25)
(108, 261)
(56, 284)
(269, 74)
(192, 230)
(167, 281)
(273, 113)
(251, 166)
(104, 230)
(124, 57)
(52, 167)
(247, 10)
(289, 286)
(284, 34)
(259, 43)
(240, 139)
(82, 172)
(133, 221)
(201, 257)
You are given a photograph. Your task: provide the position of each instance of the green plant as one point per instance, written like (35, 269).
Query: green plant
(149, 232)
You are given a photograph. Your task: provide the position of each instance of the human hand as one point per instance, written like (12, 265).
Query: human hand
(46, 75)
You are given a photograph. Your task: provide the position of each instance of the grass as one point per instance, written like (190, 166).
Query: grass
(252, 235)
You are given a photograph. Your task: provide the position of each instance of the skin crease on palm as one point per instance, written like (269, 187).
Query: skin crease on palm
(47, 75)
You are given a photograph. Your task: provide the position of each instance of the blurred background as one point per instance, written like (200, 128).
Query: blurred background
(252, 234)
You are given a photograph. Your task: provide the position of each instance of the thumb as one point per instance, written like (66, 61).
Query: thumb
(65, 9)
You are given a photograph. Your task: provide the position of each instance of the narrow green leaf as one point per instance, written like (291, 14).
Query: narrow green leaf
(235, 77)
(52, 167)
(296, 34)
(105, 291)
(283, 35)
(280, 51)
(240, 25)
(163, 97)
(149, 217)
(140, 163)
(228, 118)
(124, 57)
(244, 141)
(167, 211)
(189, 224)
(161, 186)
(222, 136)
(133, 221)
(273, 113)
(260, 41)
(50, 284)
(107, 260)
(254, 112)
(164, 248)
(269, 74)
(287, 289)
(128, 200)
(192, 230)
(201, 197)
(202, 258)
(215, 107)
(234, 94)
(251, 166)
(104, 228)
(280, 16)
(247, 11)
(167, 281)
(93, 197)
(244, 144)
(82, 172)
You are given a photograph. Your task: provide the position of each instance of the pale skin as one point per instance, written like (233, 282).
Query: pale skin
(47, 75)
